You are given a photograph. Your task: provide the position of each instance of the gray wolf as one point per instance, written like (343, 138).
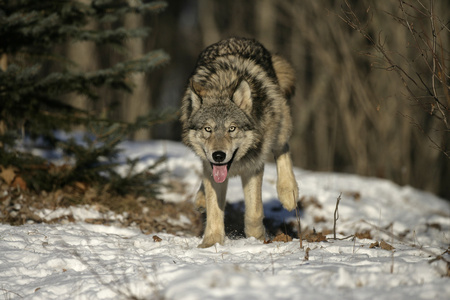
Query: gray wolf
(234, 112)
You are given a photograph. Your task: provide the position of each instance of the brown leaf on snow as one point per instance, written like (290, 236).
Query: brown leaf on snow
(436, 226)
(315, 237)
(364, 235)
(157, 239)
(383, 245)
(386, 246)
(281, 237)
(374, 245)
(310, 201)
(354, 194)
(96, 221)
(318, 219)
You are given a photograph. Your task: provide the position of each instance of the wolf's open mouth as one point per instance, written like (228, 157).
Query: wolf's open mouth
(220, 171)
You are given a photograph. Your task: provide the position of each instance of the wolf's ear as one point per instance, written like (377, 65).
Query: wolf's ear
(197, 92)
(198, 88)
(242, 96)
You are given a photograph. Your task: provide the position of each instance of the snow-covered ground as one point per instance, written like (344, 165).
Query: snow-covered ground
(83, 261)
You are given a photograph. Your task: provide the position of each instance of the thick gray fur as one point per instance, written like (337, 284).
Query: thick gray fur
(234, 113)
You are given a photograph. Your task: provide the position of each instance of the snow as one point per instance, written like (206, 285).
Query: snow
(84, 261)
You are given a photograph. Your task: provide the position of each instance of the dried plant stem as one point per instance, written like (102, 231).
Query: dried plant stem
(410, 244)
(297, 214)
(336, 215)
(392, 264)
(6, 292)
(273, 265)
(392, 243)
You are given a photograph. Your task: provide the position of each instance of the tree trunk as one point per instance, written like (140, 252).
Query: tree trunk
(137, 103)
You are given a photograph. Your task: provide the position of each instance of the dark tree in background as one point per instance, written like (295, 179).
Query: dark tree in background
(37, 80)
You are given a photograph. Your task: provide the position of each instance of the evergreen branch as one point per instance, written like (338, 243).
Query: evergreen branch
(109, 10)
(22, 83)
(30, 95)
(115, 76)
(46, 25)
(112, 36)
(105, 127)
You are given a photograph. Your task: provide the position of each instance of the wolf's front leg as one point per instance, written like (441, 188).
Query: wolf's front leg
(254, 212)
(215, 195)
(200, 200)
(287, 187)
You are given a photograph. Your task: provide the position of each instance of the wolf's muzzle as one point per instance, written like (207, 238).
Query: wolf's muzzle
(220, 171)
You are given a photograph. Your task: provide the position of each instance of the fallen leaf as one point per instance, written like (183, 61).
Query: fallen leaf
(386, 246)
(354, 194)
(80, 185)
(374, 245)
(157, 239)
(318, 219)
(281, 237)
(97, 221)
(19, 182)
(364, 235)
(383, 245)
(315, 237)
(310, 201)
(8, 174)
(435, 226)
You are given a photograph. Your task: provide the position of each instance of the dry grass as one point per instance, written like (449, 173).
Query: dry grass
(18, 207)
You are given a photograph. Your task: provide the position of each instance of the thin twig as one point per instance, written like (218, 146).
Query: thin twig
(410, 244)
(393, 251)
(273, 265)
(297, 214)
(336, 215)
(9, 292)
(427, 47)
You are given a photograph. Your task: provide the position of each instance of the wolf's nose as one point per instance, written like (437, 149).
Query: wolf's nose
(219, 156)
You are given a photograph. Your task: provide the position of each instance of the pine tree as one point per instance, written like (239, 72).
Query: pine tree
(35, 78)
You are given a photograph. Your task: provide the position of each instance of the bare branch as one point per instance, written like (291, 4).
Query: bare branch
(430, 51)
(336, 215)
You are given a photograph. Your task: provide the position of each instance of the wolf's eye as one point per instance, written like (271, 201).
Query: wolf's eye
(232, 128)
(208, 129)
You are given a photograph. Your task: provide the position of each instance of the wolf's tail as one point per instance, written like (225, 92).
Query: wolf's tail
(285, 75)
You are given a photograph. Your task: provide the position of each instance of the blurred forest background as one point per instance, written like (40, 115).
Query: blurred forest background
(372, 94)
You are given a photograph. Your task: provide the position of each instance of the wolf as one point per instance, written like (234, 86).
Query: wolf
(234, 113)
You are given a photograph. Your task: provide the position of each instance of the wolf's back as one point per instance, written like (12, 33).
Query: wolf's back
(275, 66)
(246, 48)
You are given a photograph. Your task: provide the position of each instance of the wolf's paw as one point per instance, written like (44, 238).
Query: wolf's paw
(288, 194)
(211, 240)
(258, 233)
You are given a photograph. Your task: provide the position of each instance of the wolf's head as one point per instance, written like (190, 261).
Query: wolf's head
(220, 127)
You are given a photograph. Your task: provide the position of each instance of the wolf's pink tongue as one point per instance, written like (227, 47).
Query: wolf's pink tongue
(220, 173)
